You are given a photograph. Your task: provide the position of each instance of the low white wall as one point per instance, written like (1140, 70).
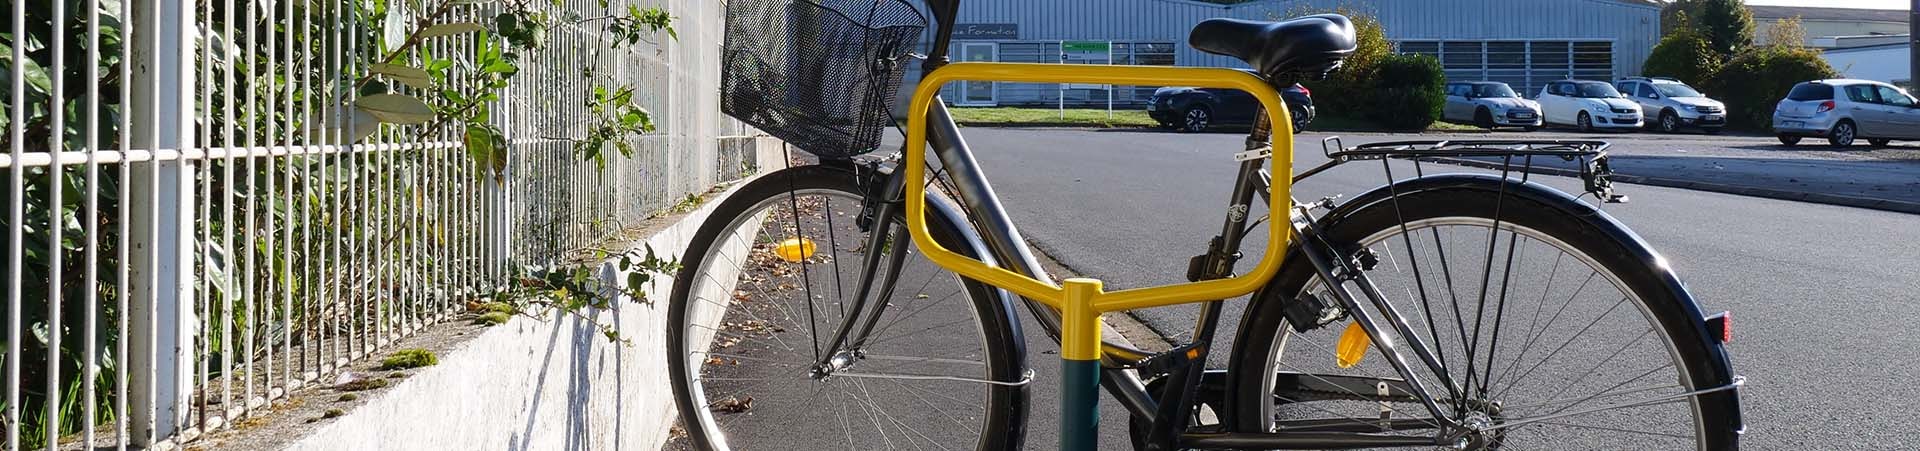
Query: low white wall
(537, 385)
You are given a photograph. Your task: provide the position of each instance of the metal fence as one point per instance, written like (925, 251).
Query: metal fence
(193, 229)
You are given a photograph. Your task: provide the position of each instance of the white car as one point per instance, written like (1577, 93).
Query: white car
(1489, 104)
(1588, 105)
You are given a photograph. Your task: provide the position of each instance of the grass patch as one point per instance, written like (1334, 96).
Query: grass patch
(492, 318)
(1051, 116)
(363, 385)
(409, 359)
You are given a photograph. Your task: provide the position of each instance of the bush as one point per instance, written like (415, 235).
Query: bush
(1753, 82)
(1346, 92)
(1411, 90)
(1684, 55)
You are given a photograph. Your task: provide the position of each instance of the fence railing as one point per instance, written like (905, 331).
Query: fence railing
(200, 218)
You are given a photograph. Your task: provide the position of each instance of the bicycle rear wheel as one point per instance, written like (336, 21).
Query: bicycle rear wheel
(752, 322)
(1554, 329)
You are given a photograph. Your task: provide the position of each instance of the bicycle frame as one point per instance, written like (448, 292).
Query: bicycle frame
(1078, 303)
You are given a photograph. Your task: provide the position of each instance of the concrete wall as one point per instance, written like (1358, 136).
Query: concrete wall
(536, 385)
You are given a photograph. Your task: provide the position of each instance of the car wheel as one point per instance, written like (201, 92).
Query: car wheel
(1669, 122)
(1842, 134)
(1789, 140)
(1301, 118)
(1879, 142)
(1197, 119)
(1585, 122)
(1483, 118)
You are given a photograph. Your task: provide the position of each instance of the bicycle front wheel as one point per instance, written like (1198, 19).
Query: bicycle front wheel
(1555, 329)
(768, 284)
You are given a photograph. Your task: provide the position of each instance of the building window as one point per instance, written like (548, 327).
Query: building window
(1525, 65)
(1049, 52)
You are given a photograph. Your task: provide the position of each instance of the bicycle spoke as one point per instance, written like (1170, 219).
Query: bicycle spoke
(1563, 346)
(1528, 346)
(746, 295)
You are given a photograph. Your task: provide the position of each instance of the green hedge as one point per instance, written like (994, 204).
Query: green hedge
(1753, 82)
(1410, 92)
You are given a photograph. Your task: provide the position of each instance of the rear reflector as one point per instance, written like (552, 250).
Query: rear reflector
(1720, 326)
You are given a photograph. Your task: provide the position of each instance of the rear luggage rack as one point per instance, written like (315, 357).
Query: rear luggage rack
(1505, 155)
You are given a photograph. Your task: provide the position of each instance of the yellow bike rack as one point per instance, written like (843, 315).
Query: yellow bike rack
(1081, 301)
(1101, 301)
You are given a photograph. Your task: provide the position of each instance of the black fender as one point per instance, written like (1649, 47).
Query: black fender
(1720, 372)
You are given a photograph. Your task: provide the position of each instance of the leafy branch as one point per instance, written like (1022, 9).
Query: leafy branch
(577, 290)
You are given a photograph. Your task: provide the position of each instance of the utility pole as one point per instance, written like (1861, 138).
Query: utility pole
(1913, 46)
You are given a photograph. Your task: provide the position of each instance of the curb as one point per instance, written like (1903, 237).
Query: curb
(1799, 196)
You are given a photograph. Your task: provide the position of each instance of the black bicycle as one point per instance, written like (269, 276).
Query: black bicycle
(813, 312)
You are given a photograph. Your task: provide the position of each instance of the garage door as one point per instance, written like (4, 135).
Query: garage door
(1526, 65)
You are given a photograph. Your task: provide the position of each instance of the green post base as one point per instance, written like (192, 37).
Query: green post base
(1079, 405)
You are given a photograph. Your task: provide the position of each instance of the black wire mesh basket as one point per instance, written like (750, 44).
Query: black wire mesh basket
(818, 74)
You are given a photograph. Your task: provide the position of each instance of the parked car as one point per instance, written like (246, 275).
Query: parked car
(1197, 109)
(1843, 110)
(1489, 104)
(1588, 105)
(1669, 105)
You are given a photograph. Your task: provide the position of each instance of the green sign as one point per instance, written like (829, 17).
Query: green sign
(1084, 46)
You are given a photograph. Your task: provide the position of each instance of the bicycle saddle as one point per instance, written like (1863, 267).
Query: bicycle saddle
(1311, 45)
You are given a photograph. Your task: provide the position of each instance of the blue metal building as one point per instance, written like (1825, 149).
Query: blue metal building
(1525, 43)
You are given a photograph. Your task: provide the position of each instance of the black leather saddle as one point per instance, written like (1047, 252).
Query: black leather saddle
(1311, 45)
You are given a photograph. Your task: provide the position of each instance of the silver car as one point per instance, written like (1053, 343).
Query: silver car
(1843, 110)
(1489, 104)
(1670, 105)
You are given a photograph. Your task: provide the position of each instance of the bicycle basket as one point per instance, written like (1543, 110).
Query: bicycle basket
(817, 73)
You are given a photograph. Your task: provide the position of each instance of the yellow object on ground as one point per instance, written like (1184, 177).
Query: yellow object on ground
(1352, 347)
(794, 249)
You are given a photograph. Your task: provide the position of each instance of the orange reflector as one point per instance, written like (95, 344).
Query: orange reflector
(1352, 347)
(794, 249)
(1720, 326)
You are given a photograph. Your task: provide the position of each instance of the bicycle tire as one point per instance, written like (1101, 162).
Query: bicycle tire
(1002, 413)
(1259, 345)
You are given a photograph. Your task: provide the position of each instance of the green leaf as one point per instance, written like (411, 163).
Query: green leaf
(636, 281)
(450, 29)
(373, 87)
(396, 109)
(417, 78)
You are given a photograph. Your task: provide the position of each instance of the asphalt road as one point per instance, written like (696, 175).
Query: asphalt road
(1824, 296)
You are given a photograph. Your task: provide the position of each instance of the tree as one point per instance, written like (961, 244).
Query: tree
(1685, 55)
(1727, 25)
(1345, 92)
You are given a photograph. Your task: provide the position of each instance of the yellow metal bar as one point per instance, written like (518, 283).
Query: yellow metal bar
(1079, 322)
(1045, 291)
